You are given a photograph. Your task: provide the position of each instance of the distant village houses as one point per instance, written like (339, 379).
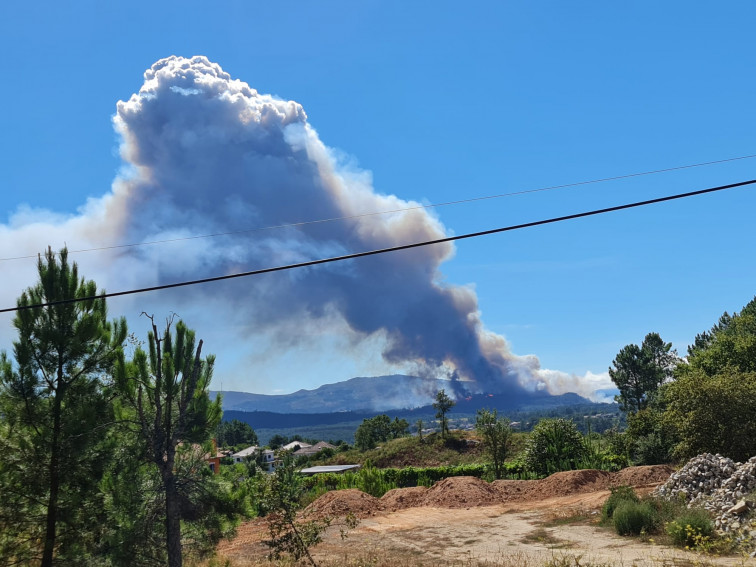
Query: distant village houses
(268, 458)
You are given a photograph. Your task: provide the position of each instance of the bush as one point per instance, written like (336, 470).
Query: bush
(619, 494)
(634, 518)
(653, 449)
(691, 528)
(554, 445)
(371, 481)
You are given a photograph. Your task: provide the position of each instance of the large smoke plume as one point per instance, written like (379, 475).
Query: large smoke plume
(206, 154)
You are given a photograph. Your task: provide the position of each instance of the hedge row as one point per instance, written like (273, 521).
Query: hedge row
(411, 476)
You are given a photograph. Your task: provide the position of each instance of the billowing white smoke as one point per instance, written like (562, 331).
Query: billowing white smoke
(208, 154)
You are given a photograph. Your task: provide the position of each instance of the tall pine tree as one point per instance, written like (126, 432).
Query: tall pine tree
(55, 412)
(167, 391)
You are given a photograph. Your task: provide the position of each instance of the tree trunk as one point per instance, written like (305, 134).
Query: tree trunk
(172, 519)
(52, 504)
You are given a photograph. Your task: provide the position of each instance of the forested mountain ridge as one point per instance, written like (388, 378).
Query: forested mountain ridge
(382, 393)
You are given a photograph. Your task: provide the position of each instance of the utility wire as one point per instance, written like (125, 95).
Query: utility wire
(391, 249)
(428, 206)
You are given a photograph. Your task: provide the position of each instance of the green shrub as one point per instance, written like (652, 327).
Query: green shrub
(692, 528)
(554, 445)
(371, 481)
(619, 494)
(653, 449)
(634, 518)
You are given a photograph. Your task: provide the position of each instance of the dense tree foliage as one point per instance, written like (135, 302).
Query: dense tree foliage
(639, 371)
(496, 434)
(167, 391)
(729, 345)
(55, 409)
(714, 414)
(278, 441)
(712, 401)
(443, 405)
(554, 445)
(233, 433)
(379, 429)
(650, 439)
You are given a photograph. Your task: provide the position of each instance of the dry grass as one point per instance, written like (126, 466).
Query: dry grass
(567, 516)
(546, 537)
(403, 558)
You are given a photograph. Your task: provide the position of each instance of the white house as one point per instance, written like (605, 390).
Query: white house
(269, 460)
(294, 444)
(309, 450)
(242, 455)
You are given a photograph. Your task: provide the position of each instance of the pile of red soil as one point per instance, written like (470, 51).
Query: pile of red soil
(572, 482)
(639, 476)
(461, 492)
(514, 490)
(401, 498)
(558, 484)
(339, 503)
(468, 491)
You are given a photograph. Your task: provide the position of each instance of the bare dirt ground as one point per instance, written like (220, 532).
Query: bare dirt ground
(466, 521)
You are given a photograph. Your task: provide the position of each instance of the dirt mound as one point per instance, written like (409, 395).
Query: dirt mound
(401, 498)
(461, 492)
(468, 491)
(339, 503)
(638, 476)
(571, 482)
(513, 490)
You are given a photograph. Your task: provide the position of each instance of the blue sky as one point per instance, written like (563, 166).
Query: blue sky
(445, 101)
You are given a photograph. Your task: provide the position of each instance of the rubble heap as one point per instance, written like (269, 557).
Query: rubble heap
(719, 485)
(727, 501)
(698, 479)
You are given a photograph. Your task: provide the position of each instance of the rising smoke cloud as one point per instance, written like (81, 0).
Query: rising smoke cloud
(204, 154)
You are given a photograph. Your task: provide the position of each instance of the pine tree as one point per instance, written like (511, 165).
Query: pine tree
(168, 391)
(55, 414)
(442, 406)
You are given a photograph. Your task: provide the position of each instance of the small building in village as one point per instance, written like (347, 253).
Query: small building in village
(335, 469)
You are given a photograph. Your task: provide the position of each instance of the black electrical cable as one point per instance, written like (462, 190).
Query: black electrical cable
(386, 250)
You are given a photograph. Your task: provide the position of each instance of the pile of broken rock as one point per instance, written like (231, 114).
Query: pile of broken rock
(719, 485)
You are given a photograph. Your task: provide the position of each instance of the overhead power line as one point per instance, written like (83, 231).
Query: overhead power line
(390, 211)
(391, 249)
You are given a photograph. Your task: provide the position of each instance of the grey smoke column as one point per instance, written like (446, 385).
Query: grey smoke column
(210, 154)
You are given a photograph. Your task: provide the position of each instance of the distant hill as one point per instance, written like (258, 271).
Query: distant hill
(341, 425)
(384, 393)
(468, 406)
(358, 394)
